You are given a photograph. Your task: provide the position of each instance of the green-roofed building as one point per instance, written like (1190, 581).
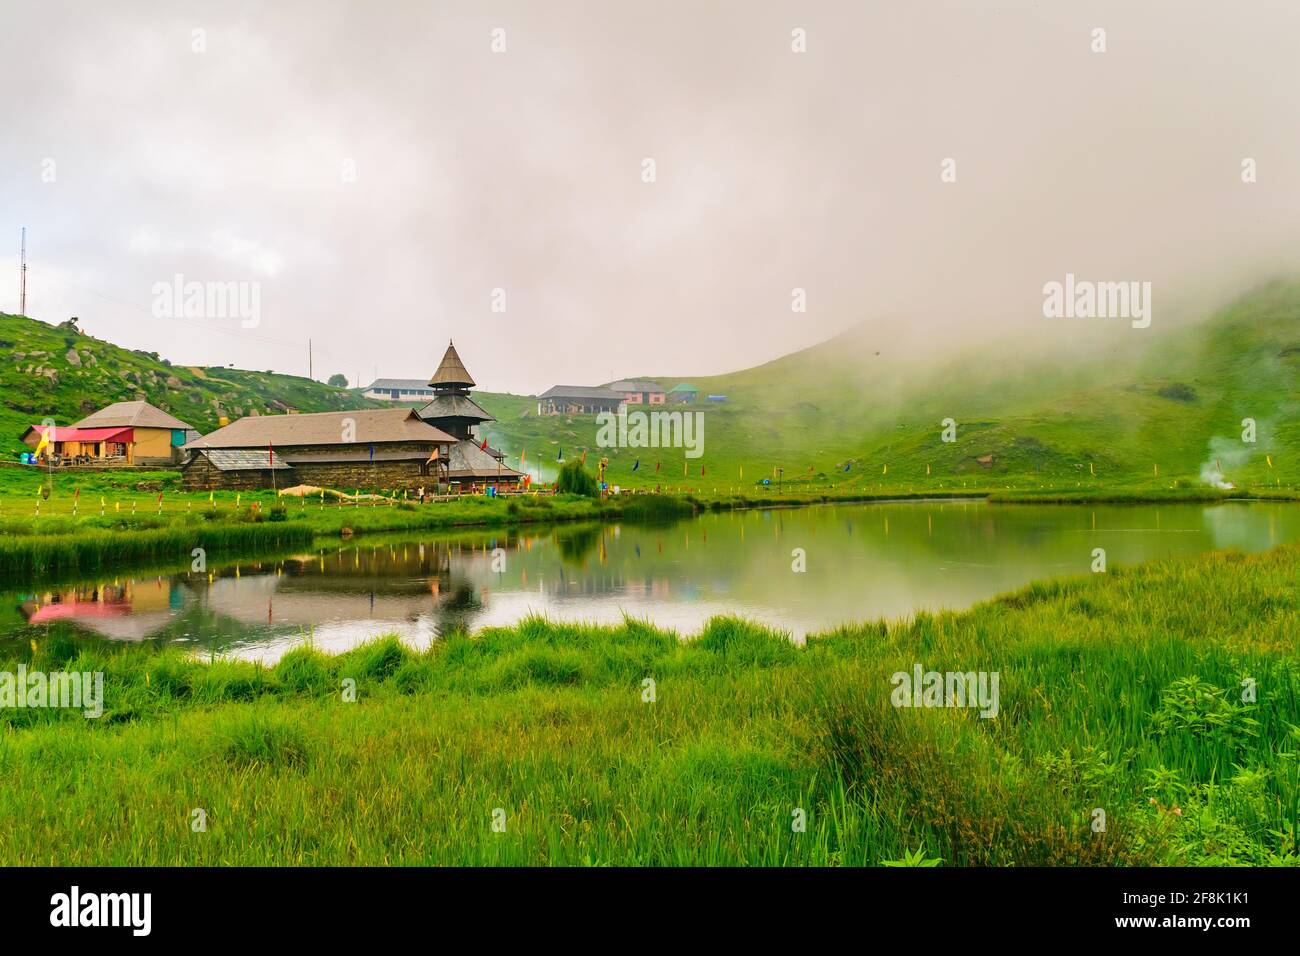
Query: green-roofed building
(684, 392)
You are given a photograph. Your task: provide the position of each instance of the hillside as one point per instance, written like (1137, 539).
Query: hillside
(61, 373)
(1164, 412)
(1172, 402)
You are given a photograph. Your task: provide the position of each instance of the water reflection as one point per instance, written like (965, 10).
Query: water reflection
(863, 562)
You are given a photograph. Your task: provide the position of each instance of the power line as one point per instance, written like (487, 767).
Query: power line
(22, 278)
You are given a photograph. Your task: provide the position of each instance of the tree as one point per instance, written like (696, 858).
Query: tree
(338, 380)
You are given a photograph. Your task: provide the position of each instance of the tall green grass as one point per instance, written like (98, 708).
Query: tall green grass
(1121, 692)
(61, 555)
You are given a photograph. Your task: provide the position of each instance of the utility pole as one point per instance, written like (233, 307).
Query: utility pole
(22, 277)
(311, 373)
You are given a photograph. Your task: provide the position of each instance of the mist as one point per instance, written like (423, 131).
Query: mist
(388, 179)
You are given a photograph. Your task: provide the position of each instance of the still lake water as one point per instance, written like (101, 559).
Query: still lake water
(863, 562)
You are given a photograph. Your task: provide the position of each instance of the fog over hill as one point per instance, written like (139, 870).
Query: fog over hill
(380, 171)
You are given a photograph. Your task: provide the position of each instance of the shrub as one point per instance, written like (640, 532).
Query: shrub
(574, 479)
(1193, 706)
(1178, 392)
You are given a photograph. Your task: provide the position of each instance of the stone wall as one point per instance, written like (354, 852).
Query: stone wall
(202, 476)
(349, 476)
(342, 476)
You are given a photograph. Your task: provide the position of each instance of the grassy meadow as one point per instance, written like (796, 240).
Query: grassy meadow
(1121, 692)
(1144, 413)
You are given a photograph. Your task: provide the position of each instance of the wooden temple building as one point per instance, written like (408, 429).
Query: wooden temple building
(470, 462)
(389, 448)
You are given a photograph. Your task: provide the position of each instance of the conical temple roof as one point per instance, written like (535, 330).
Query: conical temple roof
(452, 370)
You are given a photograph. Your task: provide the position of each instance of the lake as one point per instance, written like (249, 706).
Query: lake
(863, 561)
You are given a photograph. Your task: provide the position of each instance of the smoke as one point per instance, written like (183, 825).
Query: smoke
(1233, 453)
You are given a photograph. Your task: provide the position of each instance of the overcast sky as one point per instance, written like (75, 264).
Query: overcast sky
(132, 156)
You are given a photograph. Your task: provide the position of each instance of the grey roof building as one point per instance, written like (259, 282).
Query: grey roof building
(578, 400)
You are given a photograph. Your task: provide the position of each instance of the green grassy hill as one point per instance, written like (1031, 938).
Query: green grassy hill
(1097, 420)
(61, 373)
(839, 414)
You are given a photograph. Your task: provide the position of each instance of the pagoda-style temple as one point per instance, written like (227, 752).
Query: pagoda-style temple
(469, 465)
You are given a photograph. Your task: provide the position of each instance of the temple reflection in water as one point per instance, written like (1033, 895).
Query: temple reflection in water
(863, 562)
(336, 597)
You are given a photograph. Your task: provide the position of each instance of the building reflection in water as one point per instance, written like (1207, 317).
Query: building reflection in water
(886, 561)
(339, 596)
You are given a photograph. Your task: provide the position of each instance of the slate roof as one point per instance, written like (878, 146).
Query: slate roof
(324, 428)
(468, 460)
(401, 384)
(354, 454)
(130, 414)
(238, 459)
(454, 406)
(581, 391)
(635, 385)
